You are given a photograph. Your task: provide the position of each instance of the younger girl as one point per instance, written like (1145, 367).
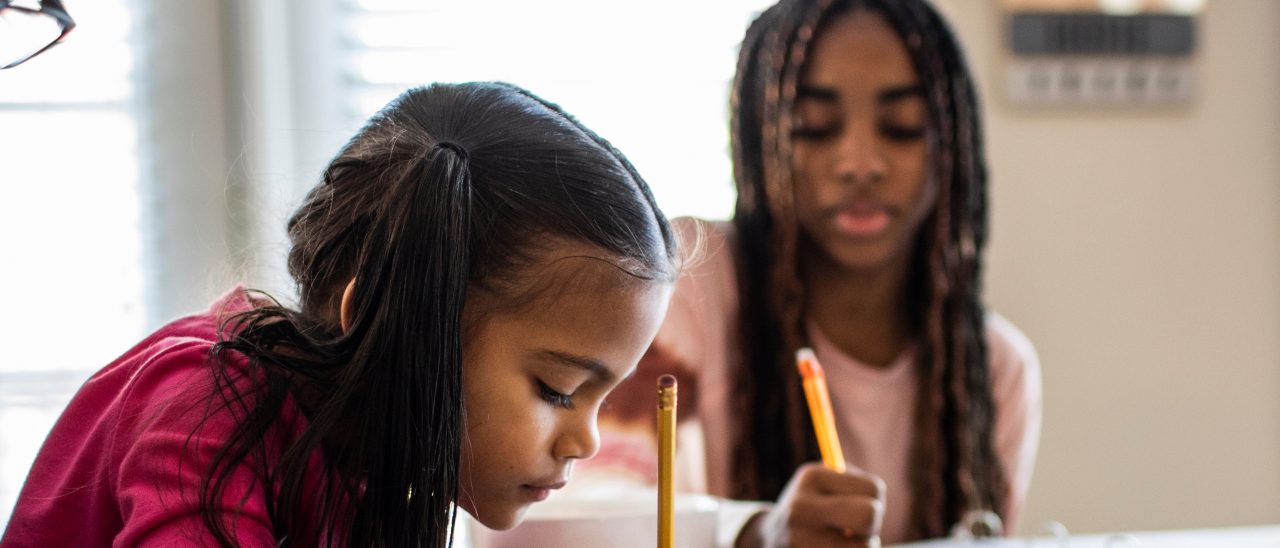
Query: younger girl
(476, 270)
(859, 231)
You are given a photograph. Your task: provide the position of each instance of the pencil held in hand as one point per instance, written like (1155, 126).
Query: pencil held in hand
(824, 424)
(666, 460)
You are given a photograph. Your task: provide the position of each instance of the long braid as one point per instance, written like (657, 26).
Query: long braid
(954, 464)
(764, 394)
(942, 374)
(975, 477)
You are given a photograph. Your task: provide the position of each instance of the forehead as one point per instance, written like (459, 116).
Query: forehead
(858, 48)
(558, 277)
(583, 306)
(553, 267)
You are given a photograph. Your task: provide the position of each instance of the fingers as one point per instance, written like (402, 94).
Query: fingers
(820, 507)
(815, 478)
(822, 539)
(849, 505)
(850, 516)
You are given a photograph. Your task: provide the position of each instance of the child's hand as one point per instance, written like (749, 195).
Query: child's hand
(820, 508)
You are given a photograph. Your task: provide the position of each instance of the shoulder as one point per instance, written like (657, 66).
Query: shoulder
(159, 381)
(165, 361)
(1015, 365)
(154, 367)
(118, 448)
(1005, 340)
(184, 338)
(1015, 377)
(163, 390)
(179, 410)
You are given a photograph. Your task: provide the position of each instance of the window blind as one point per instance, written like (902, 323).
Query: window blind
(652, 77)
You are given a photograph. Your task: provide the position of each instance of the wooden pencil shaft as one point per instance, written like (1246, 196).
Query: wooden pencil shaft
(666, 465)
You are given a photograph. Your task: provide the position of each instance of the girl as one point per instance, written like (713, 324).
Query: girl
(476, 270)
(859, 231)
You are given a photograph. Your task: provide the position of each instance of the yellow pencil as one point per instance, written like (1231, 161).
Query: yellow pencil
(824, 425)
(666, 460)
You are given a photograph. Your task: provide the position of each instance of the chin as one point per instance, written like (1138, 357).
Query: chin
(501, 520)
(861, 259)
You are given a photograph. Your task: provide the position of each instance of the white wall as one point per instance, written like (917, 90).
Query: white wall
(1140, 251)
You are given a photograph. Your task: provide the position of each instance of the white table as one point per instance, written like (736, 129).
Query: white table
(1242, 537)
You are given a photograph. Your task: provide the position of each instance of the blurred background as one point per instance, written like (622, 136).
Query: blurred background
(150, 162)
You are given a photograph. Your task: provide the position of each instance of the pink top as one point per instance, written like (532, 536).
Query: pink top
(123, 464)
(873, 405)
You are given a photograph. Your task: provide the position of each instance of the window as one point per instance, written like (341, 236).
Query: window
(69, 226)
(652, 77)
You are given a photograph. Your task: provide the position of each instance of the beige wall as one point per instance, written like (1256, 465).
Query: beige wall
(1140, 251)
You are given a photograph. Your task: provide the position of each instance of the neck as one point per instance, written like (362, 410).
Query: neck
(862, 312)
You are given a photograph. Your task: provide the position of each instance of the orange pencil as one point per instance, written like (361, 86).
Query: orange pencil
(824, 424)
(666, 460)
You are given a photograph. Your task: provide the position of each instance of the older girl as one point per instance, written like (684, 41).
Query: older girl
(859, 231)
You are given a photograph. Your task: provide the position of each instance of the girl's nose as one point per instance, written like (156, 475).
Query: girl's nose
(860, 158)
(580, 438)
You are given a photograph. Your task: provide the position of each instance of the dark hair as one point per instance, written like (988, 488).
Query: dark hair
(449, 188)
(954, 465)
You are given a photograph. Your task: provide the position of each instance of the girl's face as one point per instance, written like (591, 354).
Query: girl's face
(860, 145)
(534, 379)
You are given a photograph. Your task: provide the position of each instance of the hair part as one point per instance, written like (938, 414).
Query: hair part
(954, 465)
(449, 189)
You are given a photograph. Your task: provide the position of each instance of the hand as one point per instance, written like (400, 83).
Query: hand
(818, 508)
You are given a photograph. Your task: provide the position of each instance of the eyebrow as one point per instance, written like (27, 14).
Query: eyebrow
(591, 365)
(900, 92)
(889, 95)
(811, 92)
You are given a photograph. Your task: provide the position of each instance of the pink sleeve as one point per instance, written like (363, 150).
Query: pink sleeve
(1018, 399)
(163, 451)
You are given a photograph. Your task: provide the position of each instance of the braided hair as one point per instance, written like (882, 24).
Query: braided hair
(954, 466)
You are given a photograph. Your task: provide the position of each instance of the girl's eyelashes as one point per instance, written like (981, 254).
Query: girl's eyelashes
(813, 132)
(890, 130)
(554, 397)
(901, 132)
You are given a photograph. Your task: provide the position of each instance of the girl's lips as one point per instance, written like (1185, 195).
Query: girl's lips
(861, 220)
(540, 492)
(536, 494)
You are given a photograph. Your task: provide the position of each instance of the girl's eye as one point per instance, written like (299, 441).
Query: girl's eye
(553, 397)
(896, 132)
(812, 132)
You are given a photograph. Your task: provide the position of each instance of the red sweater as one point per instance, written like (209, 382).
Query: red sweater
(124, 463)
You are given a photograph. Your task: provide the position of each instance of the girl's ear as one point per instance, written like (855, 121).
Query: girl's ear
(344, 308)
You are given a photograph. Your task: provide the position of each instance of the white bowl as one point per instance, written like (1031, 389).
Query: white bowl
(624, 521)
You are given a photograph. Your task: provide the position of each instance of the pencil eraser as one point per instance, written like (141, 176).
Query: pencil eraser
(667, 381)
(807, 363)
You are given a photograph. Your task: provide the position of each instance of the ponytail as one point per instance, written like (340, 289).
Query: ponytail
(410, 351)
